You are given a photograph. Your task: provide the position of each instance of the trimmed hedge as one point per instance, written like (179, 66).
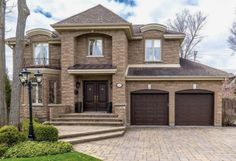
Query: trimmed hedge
(46, 133)
(41, 132)
(10, 135)
(33, 148)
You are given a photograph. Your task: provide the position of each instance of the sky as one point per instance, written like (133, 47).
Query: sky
(213, 50)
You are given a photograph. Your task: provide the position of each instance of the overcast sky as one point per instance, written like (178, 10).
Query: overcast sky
(213, 51)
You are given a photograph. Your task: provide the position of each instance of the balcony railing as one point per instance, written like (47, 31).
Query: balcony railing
(41, 63)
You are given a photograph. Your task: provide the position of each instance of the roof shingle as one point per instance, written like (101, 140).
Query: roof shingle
(92, 66)
(188, 68)
(95, 15)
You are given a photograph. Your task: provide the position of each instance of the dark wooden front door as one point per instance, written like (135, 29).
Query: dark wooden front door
(194, 109)
(95, 95)
(149, 108)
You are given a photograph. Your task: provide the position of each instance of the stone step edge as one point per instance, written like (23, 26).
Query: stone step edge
(94, 137)
(85, 123)
(92, 132)
(88, 115)
(86, 119)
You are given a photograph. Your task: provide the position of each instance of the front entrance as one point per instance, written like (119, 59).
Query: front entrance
(95, 95)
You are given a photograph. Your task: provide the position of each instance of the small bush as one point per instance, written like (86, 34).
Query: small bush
(33, 148)
(9, 135)
(25, 124)
(46, 133)
(3, 149)
(41, 132)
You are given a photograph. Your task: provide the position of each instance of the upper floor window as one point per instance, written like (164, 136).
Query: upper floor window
(152, 50)
(41, 53)
(95, 47)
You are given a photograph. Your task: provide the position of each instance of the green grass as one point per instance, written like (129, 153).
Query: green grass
(72, 156)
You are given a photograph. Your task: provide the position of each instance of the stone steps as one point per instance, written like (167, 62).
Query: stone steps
(92, 119)
(92, 123)
(93, 132)
(94, 137)
(80, 115)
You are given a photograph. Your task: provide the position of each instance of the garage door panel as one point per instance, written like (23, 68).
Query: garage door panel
(149, 109)
(194, 109)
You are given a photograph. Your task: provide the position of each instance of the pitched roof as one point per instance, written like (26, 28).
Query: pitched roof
(96, 15)
(188, 68)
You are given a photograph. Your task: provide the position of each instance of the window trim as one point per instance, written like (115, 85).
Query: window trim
(150, 61)
(95, 56)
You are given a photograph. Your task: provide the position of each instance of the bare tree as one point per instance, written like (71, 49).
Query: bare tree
(191, 25)
(3, 108)
(232, 37)
(23, 13)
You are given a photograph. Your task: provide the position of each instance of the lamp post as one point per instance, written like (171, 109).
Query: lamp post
(26, 81)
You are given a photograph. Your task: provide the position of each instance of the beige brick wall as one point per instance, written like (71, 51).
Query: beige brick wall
(169, 49)
(174, 86)
(119, 59)
(81, 54)
(54, 49)
(40, 111)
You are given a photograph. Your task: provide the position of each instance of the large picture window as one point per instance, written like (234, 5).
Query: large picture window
(41, 53)
(95, 47)
(152, 50)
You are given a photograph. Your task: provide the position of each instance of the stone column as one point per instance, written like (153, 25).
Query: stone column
(119, 59)
(67, 80)
(172, 108)
(218, 109)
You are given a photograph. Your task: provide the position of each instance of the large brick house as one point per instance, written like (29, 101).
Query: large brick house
(95, 60)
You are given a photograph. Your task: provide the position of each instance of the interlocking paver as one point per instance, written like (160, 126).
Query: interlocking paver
(167, 144)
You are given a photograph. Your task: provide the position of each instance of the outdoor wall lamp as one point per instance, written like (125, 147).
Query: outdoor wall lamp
(25, 80)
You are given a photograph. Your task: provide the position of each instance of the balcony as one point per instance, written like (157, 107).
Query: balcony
(41, 63)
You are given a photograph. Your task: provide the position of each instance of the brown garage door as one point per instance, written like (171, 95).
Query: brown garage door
(149, 107)
(194, 107)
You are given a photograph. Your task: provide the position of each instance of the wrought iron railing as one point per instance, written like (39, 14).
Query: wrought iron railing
(42, 63)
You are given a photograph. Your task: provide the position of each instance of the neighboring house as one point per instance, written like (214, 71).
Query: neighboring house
(229, 88)
(98, 59)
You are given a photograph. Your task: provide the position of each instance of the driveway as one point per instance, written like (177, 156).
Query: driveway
(165, 143)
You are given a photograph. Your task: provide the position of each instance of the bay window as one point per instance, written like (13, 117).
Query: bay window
(37, 94)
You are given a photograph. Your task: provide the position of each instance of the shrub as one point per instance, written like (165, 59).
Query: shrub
(33, 148)
(41, 132)
(9, 135)
(25, 124)
(3, 149)
(46, 133)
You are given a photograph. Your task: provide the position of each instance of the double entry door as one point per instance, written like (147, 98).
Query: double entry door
(95, 95)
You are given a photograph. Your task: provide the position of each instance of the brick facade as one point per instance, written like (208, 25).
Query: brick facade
(174, 86)
(119, 49)
(169, 49)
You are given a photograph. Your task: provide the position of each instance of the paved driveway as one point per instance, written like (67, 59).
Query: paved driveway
(172, 144)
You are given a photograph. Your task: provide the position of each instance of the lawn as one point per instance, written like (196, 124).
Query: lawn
(73, 156)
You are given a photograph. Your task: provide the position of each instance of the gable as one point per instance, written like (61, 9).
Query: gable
(95, 15)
